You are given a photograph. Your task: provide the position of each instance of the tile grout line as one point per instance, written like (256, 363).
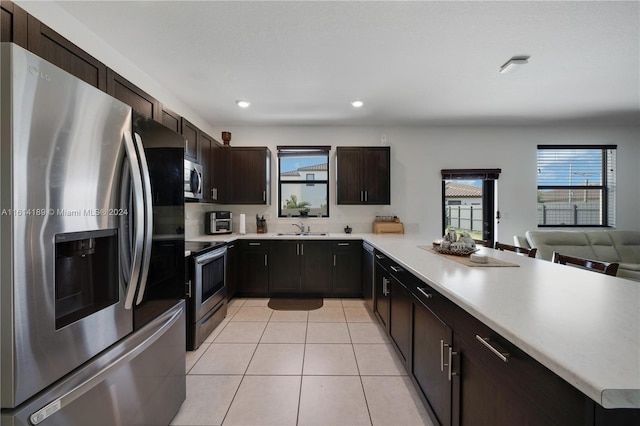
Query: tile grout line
(235, 394)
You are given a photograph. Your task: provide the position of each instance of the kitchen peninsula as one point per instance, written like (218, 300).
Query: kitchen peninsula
(581, 326)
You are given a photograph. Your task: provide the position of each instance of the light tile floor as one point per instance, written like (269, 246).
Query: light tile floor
(332, 366)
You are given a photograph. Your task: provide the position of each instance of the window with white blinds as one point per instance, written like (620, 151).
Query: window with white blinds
(576, 185)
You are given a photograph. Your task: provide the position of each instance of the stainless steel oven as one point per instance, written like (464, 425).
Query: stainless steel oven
(206, 292)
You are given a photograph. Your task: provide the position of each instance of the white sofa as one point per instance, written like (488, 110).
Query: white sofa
(607, 246)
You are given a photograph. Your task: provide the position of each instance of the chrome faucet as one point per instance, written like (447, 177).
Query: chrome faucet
(300, 227)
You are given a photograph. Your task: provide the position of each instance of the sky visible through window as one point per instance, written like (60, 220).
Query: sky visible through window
(570, 167)
(289, 164)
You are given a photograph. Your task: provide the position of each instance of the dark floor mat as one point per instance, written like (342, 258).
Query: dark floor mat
(295, 304)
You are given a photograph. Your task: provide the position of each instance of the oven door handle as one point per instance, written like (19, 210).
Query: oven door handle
(212, 255)
(138, 221)
(148, 218)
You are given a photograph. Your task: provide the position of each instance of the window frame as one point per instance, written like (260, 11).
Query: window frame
(606, 209)
(303, 151)
(490, 212)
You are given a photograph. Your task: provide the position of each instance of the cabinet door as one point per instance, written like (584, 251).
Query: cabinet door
(490, 390)
(363, 175)
(232, 270)
(285, 267)
(13, 24)
(368, 266)
(192, 147)
(254, 263)
(206, 152)
(248, 171)
(219, 155)
(432, 339)
(376, 175)
(400, 317)
(123, 90)
(51, 46)
(170, 119)
(381, 289)
(316, 267)
(347, 268)
(349, 175)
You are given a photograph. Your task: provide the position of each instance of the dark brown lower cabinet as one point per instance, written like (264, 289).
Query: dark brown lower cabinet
(400, 317)
(381, 291)
(467, 373)
(254, 266)
(432, 340)
(232, 270)
(347, 268)
(300, 267)
(316, 271)
(285, 267)
(518, 391)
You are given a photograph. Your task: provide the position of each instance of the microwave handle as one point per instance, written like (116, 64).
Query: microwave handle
(199, 190)
(138, 221)
(148, 218)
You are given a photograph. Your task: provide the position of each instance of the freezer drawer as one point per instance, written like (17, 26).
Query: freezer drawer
(139, 381)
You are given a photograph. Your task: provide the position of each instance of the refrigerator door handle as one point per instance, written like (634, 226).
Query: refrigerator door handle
(84, 387)
(138, 207)
(148, 218)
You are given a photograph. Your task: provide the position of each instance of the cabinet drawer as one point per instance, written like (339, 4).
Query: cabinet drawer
(254, 245)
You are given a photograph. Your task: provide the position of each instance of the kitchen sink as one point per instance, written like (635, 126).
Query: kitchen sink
(300, 234)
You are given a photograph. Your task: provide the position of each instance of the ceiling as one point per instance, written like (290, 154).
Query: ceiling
(412, 63)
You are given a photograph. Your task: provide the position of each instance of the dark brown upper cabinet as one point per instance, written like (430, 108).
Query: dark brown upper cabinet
(209, 147)
(125, 91)
(13, 24)
(363, 175)
(249, 175)
(170, 119)
(192, 147)
(51, 46)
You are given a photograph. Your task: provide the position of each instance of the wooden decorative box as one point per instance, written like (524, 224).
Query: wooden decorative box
(388, 228)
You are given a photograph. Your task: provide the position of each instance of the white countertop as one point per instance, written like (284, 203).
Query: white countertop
(583, 326)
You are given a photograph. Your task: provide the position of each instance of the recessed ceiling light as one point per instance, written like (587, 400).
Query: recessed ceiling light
(514, 63)
(243, 104)
(357, 104)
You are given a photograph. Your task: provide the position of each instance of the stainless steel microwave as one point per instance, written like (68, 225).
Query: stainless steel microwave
(192, 180)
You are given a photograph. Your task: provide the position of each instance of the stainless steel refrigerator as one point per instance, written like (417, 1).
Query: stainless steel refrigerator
(92, 327)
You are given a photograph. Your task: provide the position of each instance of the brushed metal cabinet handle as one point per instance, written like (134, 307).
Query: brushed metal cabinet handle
(396, 269)
(451, 354)
(427, 295)
(504, 356)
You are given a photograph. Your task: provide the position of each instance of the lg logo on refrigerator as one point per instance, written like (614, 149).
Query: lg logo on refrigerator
(35, 71)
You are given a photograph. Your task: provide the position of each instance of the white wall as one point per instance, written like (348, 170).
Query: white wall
(419, 153)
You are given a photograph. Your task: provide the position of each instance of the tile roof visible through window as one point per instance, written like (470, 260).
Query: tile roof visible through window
(314, 168)
(454, 189)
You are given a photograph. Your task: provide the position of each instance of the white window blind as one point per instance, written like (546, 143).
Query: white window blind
(576, 185)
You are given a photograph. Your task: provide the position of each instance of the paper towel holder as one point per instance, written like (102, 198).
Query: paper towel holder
(242, 228)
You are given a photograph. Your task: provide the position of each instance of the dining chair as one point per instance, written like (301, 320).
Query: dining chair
(609, 268)
(531, 252)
